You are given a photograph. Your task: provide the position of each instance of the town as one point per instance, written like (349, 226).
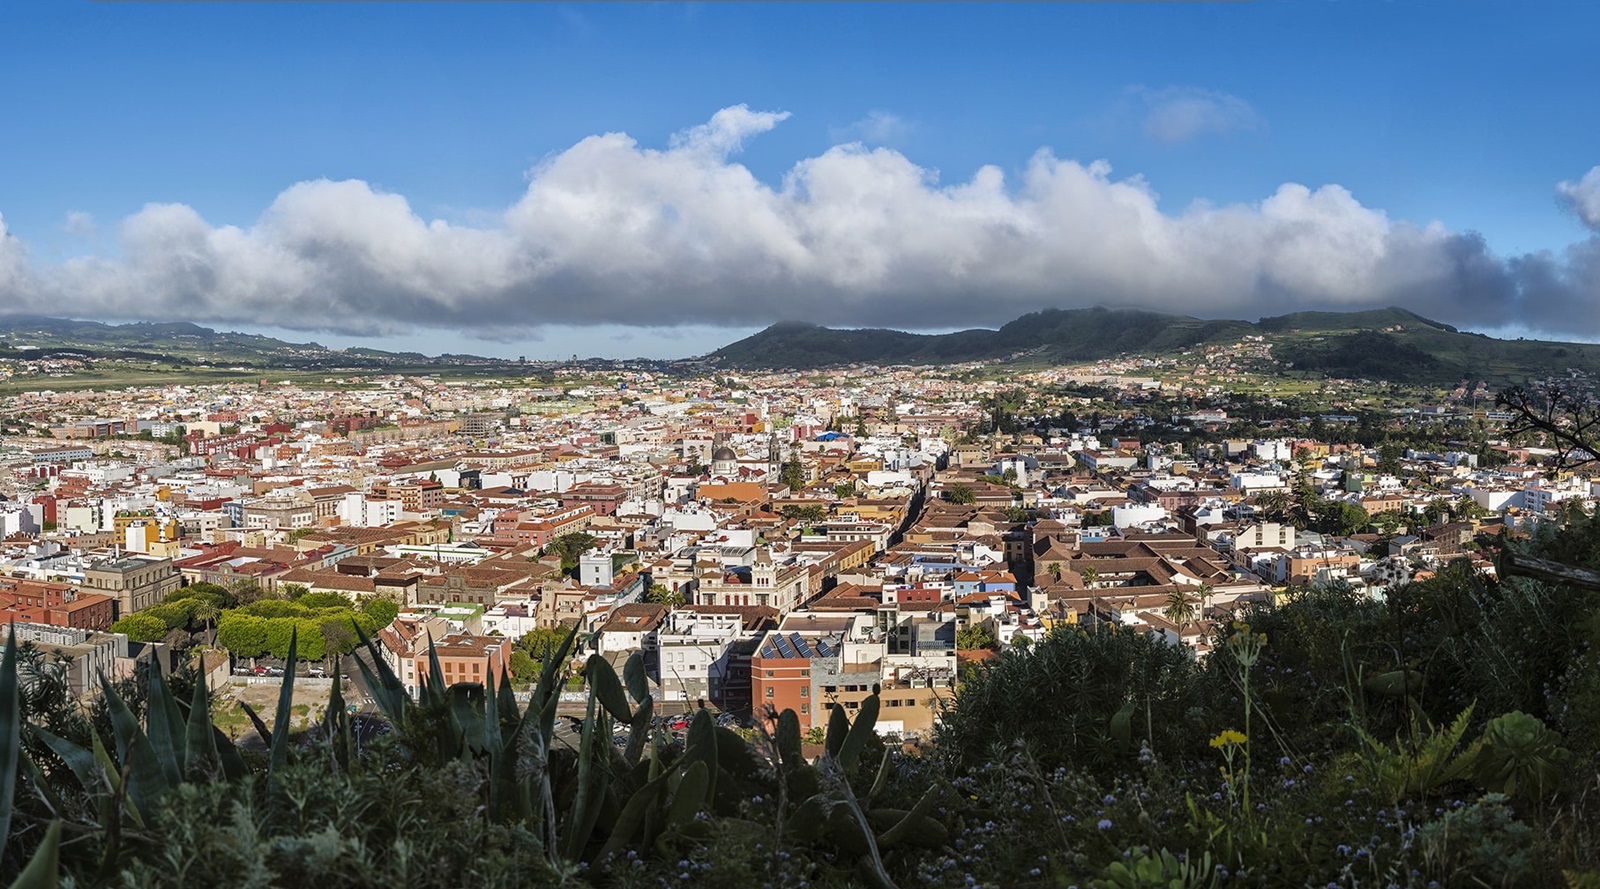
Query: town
(795, 541)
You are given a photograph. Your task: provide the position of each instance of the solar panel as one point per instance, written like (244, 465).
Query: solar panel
(800, 645)
(824, 649)
(784, 651)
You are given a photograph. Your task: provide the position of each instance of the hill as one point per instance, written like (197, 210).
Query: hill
(1391, 344)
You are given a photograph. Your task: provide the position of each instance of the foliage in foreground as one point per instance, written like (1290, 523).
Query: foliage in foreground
(1446, 736)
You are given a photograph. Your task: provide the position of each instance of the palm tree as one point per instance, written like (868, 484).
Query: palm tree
(1180, 608)
(1055, 571)
(206, 613)
(1090, 575)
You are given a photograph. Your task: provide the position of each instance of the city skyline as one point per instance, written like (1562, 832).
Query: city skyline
(349, 173)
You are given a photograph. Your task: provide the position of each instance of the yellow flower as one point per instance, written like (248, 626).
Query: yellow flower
(1228, 736)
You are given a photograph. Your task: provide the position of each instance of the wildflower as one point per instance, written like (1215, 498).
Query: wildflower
(1228, 736)
(1105, 824)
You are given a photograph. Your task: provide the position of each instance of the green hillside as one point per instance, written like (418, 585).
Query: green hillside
(1391, 344)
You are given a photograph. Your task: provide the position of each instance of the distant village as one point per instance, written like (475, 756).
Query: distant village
(799, 541)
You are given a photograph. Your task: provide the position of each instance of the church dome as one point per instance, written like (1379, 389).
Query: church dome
(724, 454)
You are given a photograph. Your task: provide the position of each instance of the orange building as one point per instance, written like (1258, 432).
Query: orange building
(466, 658)
(54, 604)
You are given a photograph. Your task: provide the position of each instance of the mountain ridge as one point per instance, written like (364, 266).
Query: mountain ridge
(1390, 343)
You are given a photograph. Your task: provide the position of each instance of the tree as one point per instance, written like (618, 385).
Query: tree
(844, 490)
(1273, 506)
(542, 642)
(141, 627)
(524, 669)
(975, 636)
(381, 610)
(1090, 575)
(961, 494)
(292, 591)
(660, 595)
(1568, 420)
(1055, 571)
(1180, 608)
(245, 635)
(793, 474)
(570, 547)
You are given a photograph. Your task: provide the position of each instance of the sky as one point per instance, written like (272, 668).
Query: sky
(658, 179)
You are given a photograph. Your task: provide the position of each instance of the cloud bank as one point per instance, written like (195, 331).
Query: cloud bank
(611, 232)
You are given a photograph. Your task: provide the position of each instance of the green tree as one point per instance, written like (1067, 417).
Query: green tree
(844, 490)
(793, 474)
(1180, 608)
(381, 610)
(975, 636)
(570, 547)
(141, 627)
(245, 635)
(659, 594)
(541, 642)
(961, 494)
(292, 591)
(524, 669)
(324, 600)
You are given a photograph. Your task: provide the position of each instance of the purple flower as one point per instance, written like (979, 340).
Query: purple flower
(1105, 824)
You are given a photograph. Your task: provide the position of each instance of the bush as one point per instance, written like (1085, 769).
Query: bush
(1080, 696)
(381, 610)
(141, 627)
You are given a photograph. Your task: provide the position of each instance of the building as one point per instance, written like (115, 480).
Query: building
(695, 652)
(135, 582)
(465, 658)
(54, 604)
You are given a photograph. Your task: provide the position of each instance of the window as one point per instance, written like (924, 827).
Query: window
(805, 691)
(769, 674)
(769, 691)
(805, 707)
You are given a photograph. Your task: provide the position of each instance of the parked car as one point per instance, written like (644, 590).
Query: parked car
(317, 672)
(274, 671)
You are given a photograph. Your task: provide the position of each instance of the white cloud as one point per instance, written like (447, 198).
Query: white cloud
(79, 224)
(611, 232)
(1178, 114)
(1583, 197)
(877, 128)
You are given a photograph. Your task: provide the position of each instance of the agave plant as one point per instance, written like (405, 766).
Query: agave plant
(1521, 754)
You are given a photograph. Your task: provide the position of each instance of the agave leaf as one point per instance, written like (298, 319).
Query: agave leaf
(546, 695)
(387, 690)
(44, 869)
(261, 727)
(80, 761)
(200, 741)
(280, 734)
(583, 800)
(41, 786)
(633, 674)
(433, 690)
(165, 729)
(10, 734)
(862, 729)
(145, 778)
(604, 685)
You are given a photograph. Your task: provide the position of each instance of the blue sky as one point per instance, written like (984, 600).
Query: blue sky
(449, 194)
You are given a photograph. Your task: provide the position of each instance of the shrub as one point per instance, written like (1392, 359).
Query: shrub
(141, 627)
